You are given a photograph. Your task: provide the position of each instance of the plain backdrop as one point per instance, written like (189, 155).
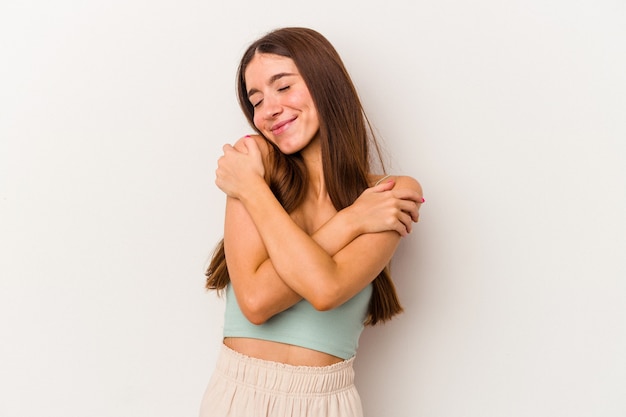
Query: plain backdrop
(511, 114)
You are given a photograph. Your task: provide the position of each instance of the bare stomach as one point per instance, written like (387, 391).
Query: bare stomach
(280, 352)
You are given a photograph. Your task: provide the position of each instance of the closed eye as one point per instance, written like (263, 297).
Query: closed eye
(281, 89)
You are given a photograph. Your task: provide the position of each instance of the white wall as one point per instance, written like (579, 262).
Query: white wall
(511, 114)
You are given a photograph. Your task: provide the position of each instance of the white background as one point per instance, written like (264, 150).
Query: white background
(511, 114)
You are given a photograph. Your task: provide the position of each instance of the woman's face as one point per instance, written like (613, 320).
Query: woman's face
(284, 111)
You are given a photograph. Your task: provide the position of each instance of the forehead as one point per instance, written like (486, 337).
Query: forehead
(263, 66)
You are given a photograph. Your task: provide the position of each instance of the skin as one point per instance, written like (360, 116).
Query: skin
(331, 255)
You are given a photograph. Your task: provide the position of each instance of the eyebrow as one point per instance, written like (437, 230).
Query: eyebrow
(272, 80)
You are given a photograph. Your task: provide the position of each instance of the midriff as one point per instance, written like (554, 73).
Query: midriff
(280, 352)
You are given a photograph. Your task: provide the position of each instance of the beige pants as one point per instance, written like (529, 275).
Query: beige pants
(242, 386)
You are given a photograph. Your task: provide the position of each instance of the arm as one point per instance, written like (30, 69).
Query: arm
(260, 289)
(326, 281)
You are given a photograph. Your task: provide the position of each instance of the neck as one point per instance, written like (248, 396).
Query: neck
(312, 156)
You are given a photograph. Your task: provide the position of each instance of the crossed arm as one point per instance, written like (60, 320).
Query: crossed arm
(273, 263)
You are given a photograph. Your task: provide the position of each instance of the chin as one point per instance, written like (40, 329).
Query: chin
(288, 150)
(289, 147)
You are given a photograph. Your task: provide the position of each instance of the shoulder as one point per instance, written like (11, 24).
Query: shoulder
(402, 181)
(261, 142)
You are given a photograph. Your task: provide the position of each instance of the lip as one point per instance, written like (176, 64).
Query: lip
(280, 127)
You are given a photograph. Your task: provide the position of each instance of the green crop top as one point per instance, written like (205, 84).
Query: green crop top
(335, 331)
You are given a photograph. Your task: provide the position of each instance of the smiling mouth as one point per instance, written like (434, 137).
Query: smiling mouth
(279, 128)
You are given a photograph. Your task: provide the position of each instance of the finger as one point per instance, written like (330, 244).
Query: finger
(400, 228)
(384, 186)
(252, 147)
(240, 146)
(411, 208)
(407, 222)
(407, 194)
(227, 148)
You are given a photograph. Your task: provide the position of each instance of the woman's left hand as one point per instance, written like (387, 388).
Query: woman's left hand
(382, 207)
(240, 167)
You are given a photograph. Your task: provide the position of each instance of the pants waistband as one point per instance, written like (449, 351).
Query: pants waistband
(280, 377)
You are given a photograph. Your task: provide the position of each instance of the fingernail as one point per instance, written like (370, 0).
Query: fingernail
(247, 136)
(423, 200)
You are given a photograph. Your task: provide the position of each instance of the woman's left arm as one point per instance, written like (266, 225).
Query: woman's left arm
(325, 281)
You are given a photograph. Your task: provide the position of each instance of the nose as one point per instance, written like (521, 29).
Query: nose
(272, 107)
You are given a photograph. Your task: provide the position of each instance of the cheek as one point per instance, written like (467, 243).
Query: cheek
(299, 99)
(256, 120)
(304, 101)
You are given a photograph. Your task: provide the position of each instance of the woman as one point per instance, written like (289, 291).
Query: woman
(309, 231)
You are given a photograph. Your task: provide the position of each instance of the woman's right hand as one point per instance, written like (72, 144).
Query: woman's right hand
(382, 208)
(239, 167)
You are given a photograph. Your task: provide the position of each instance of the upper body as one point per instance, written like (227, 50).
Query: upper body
(318, 249)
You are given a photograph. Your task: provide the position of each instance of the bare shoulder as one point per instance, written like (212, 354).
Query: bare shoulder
(260, 141)
(402, 181)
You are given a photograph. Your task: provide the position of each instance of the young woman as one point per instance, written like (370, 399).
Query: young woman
(309, 232)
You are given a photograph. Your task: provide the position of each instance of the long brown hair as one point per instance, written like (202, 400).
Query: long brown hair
(345, 136)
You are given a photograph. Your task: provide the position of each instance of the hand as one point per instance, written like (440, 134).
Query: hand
(240, 167)
(381, 208)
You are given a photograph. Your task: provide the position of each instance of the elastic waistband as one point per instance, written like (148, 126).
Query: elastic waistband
(284, 378)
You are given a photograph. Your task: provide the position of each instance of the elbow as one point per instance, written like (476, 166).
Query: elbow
(325, 299)
(323, 305)
(256, 319)
(254, 311)
(326, 293)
